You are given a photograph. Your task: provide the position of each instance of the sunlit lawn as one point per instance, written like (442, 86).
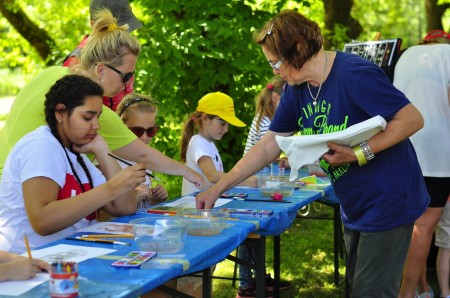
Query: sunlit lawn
(306, 261)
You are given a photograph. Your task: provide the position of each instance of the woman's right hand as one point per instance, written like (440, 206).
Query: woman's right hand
(128, 179)
(206, 199)
(96, 146)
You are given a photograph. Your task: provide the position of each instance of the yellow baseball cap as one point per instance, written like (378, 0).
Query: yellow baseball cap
(221, 105)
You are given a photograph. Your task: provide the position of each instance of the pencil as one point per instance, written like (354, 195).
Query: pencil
(164, 212)
(108, 236)
(129, 164)
(98, 240)
(25, 238)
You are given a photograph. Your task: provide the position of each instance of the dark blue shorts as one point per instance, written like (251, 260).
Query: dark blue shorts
(439, 189)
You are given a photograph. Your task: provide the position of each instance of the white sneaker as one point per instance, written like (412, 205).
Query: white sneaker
(429, 294)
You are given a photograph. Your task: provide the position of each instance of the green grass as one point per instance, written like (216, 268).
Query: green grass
(306, 260)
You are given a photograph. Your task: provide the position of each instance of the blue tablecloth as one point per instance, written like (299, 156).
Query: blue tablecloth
(284, 213)
(99, 279)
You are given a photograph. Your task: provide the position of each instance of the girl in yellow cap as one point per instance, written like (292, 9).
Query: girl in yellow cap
(207, 124)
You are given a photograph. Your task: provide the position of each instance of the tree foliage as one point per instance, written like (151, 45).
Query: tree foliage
(65, 25)
(195, 47)
(435, 11)
(340, 26)
(190, 48)
(403, 19)
(36, 36)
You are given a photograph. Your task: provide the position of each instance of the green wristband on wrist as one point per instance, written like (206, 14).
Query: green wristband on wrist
(360, 155)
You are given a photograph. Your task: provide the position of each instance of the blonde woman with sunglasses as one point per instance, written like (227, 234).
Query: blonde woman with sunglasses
(109, 59)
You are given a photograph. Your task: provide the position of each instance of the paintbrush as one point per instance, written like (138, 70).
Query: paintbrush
(129, 164)
(255, 200)
(98, 240)
(108, 236)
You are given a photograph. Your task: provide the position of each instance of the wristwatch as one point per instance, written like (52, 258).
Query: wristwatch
(365, 148)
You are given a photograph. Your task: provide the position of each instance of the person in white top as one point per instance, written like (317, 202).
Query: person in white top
(208, 124)
(423, 74)
(139, 112)
(266, 104)
(49, 188)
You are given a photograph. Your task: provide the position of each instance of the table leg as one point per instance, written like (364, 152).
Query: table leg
(260, 267)
(207, 283)
(276, 265)
(337, 242)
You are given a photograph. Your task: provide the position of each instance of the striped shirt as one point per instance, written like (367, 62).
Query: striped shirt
(254, 135)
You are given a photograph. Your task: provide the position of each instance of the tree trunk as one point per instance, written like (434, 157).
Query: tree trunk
(435, 13)
(337, 12)
(36, 36)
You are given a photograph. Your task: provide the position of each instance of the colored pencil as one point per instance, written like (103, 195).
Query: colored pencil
(164, 212)
(25, 238)
(254, 200)
(129, 164)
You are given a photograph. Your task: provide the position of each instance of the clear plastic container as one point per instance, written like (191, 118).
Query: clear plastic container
(204, 222)
(163, 234)
(268, 185)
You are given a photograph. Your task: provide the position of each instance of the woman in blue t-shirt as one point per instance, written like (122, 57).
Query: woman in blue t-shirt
(379, 182)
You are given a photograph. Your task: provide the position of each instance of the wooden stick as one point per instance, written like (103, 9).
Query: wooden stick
(108, 236)
(25, 238)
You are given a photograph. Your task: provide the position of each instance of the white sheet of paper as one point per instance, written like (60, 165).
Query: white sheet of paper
(302, 150)
(189, 202)
(109, 228)
(19, 287)
(186, 201)
(72, 253)
(221, 202)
